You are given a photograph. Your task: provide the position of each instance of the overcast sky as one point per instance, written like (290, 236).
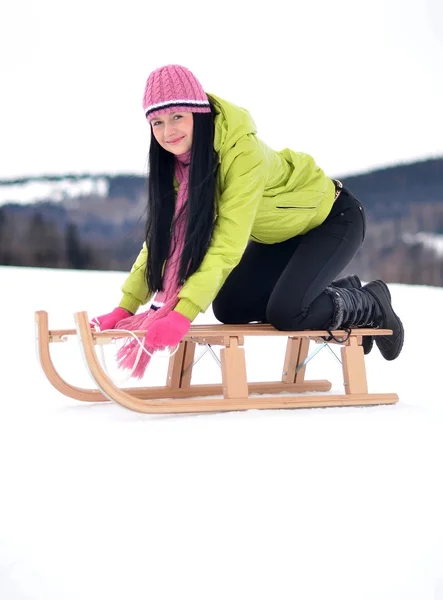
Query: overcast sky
(356, 84)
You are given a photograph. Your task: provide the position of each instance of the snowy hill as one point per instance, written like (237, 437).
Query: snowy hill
(99, 502)
(56, 189)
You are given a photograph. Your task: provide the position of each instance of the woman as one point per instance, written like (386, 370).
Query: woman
(259, 234)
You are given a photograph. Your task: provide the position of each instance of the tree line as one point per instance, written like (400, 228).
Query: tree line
(42, 243)
(106, 233)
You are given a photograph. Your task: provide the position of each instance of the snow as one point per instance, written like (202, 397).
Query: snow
(55, 190)
(101, 502)
(431, 241)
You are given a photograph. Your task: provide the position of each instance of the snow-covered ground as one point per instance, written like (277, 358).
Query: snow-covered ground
(99, 502)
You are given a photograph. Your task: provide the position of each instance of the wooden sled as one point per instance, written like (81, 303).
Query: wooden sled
(179, 395)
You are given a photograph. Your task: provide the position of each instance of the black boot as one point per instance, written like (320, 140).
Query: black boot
(369, 306)
(352, 282)
(389, 345)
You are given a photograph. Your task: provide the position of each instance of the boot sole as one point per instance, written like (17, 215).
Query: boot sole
(367, 344)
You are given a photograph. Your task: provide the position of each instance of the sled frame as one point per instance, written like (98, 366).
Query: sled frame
(179, 395)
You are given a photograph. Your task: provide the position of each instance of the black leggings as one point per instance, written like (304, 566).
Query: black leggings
(283, 284)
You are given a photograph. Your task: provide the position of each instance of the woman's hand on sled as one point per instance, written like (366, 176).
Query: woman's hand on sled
(168, 331)
(110, 320)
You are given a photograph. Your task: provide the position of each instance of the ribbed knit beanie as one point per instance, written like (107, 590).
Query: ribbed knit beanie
(174, 88)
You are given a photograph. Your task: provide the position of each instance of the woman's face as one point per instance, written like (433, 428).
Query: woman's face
(173, 131)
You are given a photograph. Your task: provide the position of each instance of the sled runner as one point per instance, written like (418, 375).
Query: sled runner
(180, 395)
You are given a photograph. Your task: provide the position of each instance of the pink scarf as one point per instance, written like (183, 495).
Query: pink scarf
(164, 301)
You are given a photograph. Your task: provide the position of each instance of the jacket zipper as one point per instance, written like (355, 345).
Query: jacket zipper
(298, 207)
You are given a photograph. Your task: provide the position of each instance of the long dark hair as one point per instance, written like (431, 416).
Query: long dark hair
(200, 204)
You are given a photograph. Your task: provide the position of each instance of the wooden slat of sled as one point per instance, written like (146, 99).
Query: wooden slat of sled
(218, 331)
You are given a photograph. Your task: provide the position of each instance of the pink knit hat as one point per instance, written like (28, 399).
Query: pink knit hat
(174, 88)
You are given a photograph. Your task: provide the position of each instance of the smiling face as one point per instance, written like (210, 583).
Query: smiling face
(173, 131)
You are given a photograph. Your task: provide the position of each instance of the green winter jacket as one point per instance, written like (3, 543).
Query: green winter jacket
(261, 195)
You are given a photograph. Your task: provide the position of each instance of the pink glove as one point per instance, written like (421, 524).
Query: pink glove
(168, 331)
(110, 320)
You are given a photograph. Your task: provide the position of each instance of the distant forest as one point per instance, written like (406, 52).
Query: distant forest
(105, 232)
